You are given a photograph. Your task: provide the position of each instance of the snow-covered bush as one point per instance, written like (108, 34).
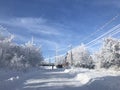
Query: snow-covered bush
(60, 60)
(109, 55)
(32, 54)
(80, 57)
(18, 57)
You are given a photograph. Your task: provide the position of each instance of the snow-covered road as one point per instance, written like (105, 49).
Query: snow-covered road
(39, 80)
(51, 80)
(63, 80)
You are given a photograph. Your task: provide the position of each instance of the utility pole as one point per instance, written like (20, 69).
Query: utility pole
(32, 41)
(56, 54)
(71, 56)
(49, 60)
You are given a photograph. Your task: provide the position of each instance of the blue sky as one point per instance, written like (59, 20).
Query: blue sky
(58, 22)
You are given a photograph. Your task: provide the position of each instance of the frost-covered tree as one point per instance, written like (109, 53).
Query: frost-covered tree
(16, 62)
(60, 60)
(18, 56)
(5, 51)
(32, 54)
(80, 57)
(109, 55)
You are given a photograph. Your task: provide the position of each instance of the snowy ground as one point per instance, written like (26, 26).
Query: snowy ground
(59, 79)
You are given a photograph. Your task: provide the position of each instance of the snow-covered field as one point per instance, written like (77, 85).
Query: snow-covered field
(59, 79)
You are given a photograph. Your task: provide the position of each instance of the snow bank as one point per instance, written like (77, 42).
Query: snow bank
(47, 67)
(74, 78)
(83, 78)
(75, 70)
(7, 75)
(86, 76)
(13, 78)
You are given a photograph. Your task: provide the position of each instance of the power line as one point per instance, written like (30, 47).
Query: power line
(93, 42)
(111, 32)
(102, 27)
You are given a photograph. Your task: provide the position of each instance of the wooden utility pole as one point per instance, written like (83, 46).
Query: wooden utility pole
(56, 54)
(71, 56)
(49, 60)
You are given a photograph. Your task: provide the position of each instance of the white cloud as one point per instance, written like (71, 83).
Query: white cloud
(48, 35)
(39, 42)
(52, 44)
(37, 26)
(33, 25)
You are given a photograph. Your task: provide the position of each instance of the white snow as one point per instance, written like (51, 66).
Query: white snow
(13, 78)
(88, 76)
(59, 79)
